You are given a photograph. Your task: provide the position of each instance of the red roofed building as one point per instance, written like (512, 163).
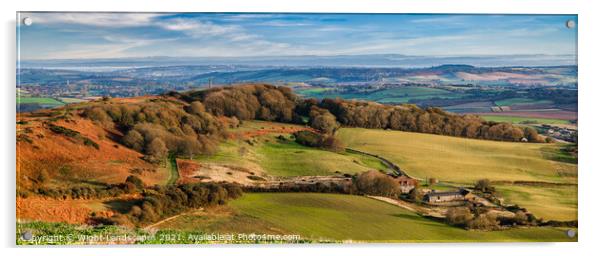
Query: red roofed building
(406, 184)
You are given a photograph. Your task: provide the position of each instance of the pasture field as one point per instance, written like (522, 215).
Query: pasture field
(345, 217)
(260, 150)
(287, 158)
(549, 202)
(313, 216)
(519, 119)
(461, 160)
(39, 100)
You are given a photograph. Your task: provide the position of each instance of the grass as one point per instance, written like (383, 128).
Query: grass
(220, 219)
(345, 217)
(549, 202)
(519, 120)
(174, 175)
(287, 158)
(39, 100)
(291, 159)
(313, 216)
(460, 160)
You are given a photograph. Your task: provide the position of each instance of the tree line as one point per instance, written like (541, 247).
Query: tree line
(273, 103)
(160, 202)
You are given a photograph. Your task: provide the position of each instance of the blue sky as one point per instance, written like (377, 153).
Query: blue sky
(117, 35)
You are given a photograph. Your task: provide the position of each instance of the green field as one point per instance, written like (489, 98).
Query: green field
(313, 216)
(519, 120)
(287, 158)
(279, 157)
(549, 203)
(461, 160)
(346, 217)
(39, 100)
(521, 101)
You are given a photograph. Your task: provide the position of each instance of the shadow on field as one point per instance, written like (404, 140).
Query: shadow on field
(121, 205)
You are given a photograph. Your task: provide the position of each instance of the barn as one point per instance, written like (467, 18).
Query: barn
(446, 196)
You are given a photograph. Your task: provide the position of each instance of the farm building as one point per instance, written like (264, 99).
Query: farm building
(406, 183)
(446, 196)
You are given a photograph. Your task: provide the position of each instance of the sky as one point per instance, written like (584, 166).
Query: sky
(120, 35)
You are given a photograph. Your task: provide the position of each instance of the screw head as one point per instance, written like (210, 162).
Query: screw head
(571, 233)
(27, 235)
(570, 24)
(27, 21)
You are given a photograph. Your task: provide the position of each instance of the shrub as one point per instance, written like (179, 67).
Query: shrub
(484, 222)
(136, 181)
(484, 185)
(156, 150)
(458, 216)
(90, 143)
(521, 218)
(377, 184)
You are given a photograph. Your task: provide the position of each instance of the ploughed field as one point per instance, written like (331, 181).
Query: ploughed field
(334, 217)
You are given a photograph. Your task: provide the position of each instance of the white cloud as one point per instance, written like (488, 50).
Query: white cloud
(195, 28)
(93, 19)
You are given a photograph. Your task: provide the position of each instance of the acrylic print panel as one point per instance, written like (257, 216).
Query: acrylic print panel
(295, 128)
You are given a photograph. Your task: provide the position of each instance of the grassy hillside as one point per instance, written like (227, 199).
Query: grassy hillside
(557, 203)
(460, 160)
(263, 152)
(344, 217)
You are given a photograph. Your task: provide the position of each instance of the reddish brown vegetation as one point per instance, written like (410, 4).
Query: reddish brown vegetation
(187, 170)
(64, 159)
(54, 210)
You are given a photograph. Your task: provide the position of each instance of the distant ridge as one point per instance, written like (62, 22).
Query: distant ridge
(368, 60)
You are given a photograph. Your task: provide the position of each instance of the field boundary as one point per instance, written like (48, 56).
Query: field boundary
(396, 170)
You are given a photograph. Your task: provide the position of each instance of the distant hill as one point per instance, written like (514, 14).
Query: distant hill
(367, 60)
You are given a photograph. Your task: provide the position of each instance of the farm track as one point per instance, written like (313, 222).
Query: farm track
(174, 174)
(393, 167)
(169, 218)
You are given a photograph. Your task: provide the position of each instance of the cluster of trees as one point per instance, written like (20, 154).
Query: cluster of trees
(318, 187)
(430, 120)
(132, 184)
(163, 201)
(476, 218)
(247, 102)
(324, 141)
(372, 183)
(376, 184)
(159, 127)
